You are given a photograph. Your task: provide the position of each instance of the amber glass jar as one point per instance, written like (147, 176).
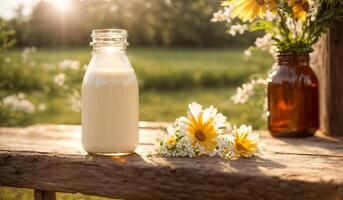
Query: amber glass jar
(293, 97)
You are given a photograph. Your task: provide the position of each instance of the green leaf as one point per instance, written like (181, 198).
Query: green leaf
(268, 26)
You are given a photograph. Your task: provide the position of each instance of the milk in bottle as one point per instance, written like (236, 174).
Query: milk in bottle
(109, 96)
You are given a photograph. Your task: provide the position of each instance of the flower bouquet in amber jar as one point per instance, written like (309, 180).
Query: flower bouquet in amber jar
(291, 28)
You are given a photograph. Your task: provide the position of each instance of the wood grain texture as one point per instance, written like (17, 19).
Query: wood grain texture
(50, 157)
(328, 65)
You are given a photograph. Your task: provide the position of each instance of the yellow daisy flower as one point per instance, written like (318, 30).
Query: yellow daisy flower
(203, 127)
(170, 141)
(244, 141)
(250, 9)
(299, 8)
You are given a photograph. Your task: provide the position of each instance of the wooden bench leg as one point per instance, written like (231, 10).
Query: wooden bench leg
(44, 195)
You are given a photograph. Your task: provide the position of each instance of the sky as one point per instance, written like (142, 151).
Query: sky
(7, 7)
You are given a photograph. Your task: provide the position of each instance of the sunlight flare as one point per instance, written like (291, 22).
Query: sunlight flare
(62, 5)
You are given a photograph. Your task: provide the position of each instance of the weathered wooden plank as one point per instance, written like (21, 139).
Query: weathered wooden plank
(44, 195)
(327, 63)
(65, 139)
(50, 157)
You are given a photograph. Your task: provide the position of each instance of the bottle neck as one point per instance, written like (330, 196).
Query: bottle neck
(108, 49)
(293, 59)
(109, 58)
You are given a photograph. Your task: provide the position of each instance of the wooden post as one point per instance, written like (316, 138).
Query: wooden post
(327, 61)
(44, 195)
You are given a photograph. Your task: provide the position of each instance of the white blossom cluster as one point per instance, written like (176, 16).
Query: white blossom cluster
(248, 51)
(73, 95)
(25, 55)
(264, 43)
(313, 9)
(183, 146)
(178, 142)
(69, 64)
(42, 107)
(271, 16)
(295, 27)
(59, 79)
(18, 103)
(247, 90)
(223, 15)
(244, 92)
(74, 100)
(237, 28)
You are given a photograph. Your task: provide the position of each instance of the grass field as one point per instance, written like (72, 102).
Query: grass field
(169, 80)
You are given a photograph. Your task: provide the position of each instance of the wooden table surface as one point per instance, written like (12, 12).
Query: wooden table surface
(51, 158)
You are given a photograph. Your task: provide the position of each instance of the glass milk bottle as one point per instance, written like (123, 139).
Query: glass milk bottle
(109, 96)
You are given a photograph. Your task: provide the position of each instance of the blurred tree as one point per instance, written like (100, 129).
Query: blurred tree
(149, 23)
(6, 36)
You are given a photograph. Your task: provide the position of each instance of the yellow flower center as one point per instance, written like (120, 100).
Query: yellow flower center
(240, 147)
(200, 135)
(171, 141)
(260, 2)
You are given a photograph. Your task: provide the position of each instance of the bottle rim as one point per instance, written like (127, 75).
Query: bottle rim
(102, 37)
(120, 33)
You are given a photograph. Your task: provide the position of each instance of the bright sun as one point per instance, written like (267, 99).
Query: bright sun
(62, 5)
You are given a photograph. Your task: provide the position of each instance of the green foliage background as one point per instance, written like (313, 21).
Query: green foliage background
(149, 23)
